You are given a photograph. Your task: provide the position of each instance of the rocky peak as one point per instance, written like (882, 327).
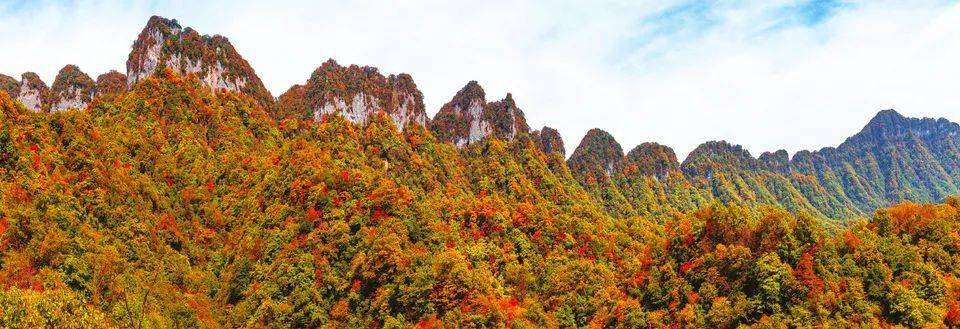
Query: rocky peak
(9, 85)
(33, 91)
(357, 93)
(470, 94)
(718, 156)
(654, 160)
(888, 117)
(890, 126)
(71, 89)
(468, 118)
(778, 161)
(598, 156)
(549, 141)
(112, 82)
(506, 118)
(163, 43)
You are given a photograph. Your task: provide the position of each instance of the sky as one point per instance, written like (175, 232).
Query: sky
(768, 75)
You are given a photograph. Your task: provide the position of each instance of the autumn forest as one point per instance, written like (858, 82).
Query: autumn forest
(183, 195)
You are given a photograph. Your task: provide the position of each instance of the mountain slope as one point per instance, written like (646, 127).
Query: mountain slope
(893, 158)
(177, 202)
(200, 210)
(202, 187)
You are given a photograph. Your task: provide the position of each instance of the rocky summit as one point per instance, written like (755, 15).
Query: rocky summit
(654, 160)
(33, 92)
(71, 89)
(355, 93)
(163, 43)
(468, 118)
(549, 141)
(598, 157)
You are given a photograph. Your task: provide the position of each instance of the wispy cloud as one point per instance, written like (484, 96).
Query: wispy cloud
(813, 12)
(795, 74)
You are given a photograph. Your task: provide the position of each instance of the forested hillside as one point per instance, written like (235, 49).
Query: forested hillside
(173, 205)
(892, 159)
(165, 198)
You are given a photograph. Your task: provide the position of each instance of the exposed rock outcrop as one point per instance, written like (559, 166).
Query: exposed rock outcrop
(33, 92)
(163, 43)
(357, 92)
(549, 140)
(71, 89)
(468, 118)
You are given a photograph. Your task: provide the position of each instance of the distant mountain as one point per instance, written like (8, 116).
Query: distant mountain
(893, 158)
(71, 89)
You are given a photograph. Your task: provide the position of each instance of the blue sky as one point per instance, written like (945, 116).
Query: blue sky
(764, 74)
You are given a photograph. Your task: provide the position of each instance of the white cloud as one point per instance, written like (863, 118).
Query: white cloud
(746, 73)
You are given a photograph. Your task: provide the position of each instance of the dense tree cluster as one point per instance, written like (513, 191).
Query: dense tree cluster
(9, 85)
(110, 83)
(173, 205)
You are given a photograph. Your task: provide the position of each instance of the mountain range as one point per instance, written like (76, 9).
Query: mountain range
(182, 194)
(893, 158)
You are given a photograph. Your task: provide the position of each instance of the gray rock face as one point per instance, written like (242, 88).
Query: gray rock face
(32, 92)
(71, 89)
(164, 44)
(356, 93)
(468, 118)
(549, 140)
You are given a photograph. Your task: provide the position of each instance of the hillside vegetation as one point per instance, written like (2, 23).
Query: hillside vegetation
(174, 205)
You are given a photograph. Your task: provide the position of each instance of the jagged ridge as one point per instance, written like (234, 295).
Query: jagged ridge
(356, 93)
(893, 158)
(468, 118)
